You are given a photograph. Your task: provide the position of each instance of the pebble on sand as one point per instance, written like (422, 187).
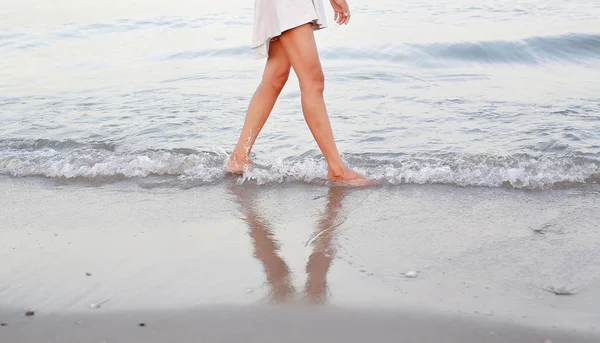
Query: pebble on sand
(411, 274)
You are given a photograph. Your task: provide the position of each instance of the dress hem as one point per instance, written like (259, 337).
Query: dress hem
(261, 51)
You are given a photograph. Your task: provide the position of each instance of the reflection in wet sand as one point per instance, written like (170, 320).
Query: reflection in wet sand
(266, 247)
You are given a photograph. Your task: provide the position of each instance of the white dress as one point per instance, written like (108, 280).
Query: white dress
(272, 17)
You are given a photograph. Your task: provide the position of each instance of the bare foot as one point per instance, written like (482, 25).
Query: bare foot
(349, 178)
(238, 164)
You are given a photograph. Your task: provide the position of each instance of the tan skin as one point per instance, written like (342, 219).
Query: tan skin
(297, 49)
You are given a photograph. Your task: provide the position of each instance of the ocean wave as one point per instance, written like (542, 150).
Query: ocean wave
(572, 47)
(102, 162)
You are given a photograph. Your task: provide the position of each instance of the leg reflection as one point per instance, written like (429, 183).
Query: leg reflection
(266, 248)
(323, 253)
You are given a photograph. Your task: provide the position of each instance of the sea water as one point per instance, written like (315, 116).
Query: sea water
(462, 92)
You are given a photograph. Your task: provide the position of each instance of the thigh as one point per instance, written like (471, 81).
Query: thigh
(278, 64)
(301, 49)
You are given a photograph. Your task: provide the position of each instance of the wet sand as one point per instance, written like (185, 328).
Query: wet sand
(277, 324)
(216, 263)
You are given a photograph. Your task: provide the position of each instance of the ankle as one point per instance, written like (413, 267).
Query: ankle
(337, 169)
(240, 156)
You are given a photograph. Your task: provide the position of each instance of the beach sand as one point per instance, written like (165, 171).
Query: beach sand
(276, 324)
(297, 262)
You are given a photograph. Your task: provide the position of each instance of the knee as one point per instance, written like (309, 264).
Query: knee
(313, 81)
(277, 80)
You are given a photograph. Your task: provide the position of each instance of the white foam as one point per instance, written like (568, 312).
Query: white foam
(488, 171)
(90, 163)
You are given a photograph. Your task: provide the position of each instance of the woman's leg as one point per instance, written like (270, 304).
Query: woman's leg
(274, 78)
(301, 49)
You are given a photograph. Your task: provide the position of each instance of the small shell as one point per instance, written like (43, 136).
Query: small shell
(99, 304)
(560, 290)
